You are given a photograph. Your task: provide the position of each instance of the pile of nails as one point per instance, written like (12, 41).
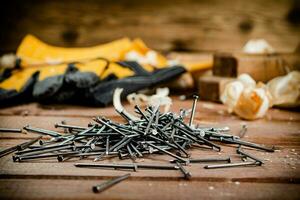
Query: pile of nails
(153, 133)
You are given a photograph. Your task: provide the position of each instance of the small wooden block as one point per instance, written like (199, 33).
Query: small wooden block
(210, 88)
(259, 67)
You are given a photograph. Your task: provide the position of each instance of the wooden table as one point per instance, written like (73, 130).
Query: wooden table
(278, 178)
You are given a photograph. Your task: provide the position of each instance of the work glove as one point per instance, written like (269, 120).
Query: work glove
(50, 74)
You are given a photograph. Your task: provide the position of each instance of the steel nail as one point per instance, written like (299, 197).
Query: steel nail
(204, 160)
(110, 183)
(42, 131)
(167, 152)
(239, 151)
(230, 165)
(18, 147)
(186, 174)
(11, 130)
(193, 110)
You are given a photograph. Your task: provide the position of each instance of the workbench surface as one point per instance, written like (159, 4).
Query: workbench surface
(278, 178)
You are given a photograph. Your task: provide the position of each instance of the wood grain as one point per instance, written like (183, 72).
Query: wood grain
(147, 189)
(279, 178)
(260, 67)
(280, 167)
(170, 25)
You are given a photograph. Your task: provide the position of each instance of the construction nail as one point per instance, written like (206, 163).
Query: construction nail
(123, 144)
(181, 148)
(204, 160)
(245, 143)
(193, 110)
(209, 142)
(46, 143)
(230, 165)
(186, 174)
(71, 138)
(11, 130)
(42, 131)
(99, 120)
(133, 166)
(212, 133)
(102, 165)
(163, 141)
(239, 151)
(86, 131)
(57, 125)
(124, 115)
(31, 157)
(136, 150)
(121, 155)
(39, 152)
(243, 131)
(91, 146)
(167, 152)
(43, 148)
(118, 143)
(110, 183)
(18, 147)
(62, 158)
(156, 166)
(132, 156)
(25, 145)
(107, 145)
(138, 110)
(151, 120)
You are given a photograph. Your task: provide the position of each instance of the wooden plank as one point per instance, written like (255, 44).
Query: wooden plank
(35, 109)
(275, 132)
(211, 110)
(51, 179)
(278, 127)
(144, 189)
(280, 167)
(167, 26)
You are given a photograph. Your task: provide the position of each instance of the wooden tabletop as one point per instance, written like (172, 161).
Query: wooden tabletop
(278, 178)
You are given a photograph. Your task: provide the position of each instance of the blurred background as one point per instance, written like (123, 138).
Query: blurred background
(169, 25)
(186, 47)
(209, 38)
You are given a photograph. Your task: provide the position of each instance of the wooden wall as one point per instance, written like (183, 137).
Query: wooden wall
(170, 25)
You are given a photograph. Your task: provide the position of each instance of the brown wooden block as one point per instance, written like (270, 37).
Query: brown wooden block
(210, 87)
(259, 67)
(225, 64)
